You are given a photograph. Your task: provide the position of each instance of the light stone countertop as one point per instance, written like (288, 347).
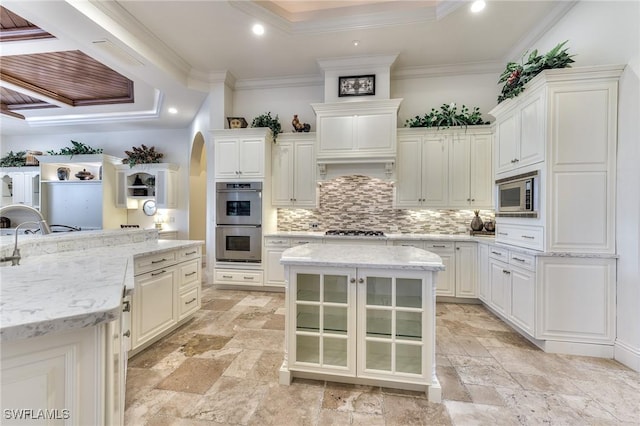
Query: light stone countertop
(355, 256)
(387, 236)
(71, 289)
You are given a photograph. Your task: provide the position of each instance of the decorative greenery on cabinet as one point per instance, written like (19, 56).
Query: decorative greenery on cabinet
(75, 149)
(515, 75)
(448, 116)
(142, 155)
(14, 159)
(265, 120)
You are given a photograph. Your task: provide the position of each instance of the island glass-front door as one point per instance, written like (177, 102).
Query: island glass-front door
(391, 321)
(323, 320)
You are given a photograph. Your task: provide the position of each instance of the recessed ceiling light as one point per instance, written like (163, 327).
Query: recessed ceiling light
(477, 6)
(173, 110)
(258, 29)
(356, 43)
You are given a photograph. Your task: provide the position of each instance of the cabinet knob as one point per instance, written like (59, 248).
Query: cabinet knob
(468, 199)
(361, 280)
(127, 333)
(352, 280)
(457, 248)
(126, 306)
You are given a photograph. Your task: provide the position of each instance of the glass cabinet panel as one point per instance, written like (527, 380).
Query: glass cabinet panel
(408, 293)
(308, 318)
(379, 323)
(409, 358)
(334, 351)
(379, 291)
(308, 287)
(379, 356)
(409, 325)
(335, 320)
(335, 288)
(308, 349)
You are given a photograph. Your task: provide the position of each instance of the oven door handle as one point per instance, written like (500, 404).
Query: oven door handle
(237, 190)
(226, 225)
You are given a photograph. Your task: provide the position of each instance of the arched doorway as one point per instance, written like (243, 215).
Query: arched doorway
(198, 191)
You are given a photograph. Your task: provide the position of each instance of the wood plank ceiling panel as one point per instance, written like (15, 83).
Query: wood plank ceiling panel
(16, 28)
(70, 77)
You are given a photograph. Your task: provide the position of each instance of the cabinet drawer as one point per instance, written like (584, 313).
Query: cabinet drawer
(189, 273)
(523, 260)
(300, 241)
(189, 302)
(149, 263)
(189, 253)
(409, 243)
(236, 277)
(521, 236)
(499, 253)
(276, 242)
(438, 245)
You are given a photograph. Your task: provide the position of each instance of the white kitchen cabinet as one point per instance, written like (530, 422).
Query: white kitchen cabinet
(240, 154)
(357, 130)
(444, 168)
(446, 284)
(167, 292)
(466, 270)
(294, 171)
(483, 272)
(89, 204)
(470, 170)
(77, 376)
(273, 249)
(369, 324)
(20, 185)
(157, 181)
(520, 132)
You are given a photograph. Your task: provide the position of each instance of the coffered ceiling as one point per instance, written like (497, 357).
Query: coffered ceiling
(120, 65)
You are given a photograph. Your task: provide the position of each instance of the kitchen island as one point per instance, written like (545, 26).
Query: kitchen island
(66, 318)
(361, 314)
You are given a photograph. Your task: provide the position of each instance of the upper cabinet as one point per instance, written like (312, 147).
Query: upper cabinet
(241, 153)
(156, 181)
(294, 171)
(357, 130)
(449, 168)
(520, 132)
(20, 185)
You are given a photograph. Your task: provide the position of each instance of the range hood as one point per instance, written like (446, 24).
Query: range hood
(357, 134)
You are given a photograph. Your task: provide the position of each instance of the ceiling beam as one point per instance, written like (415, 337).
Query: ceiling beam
(39, 91)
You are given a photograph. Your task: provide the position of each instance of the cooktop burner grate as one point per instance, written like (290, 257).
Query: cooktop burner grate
(354, 233)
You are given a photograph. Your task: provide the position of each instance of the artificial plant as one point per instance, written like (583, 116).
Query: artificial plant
(14, 159)
(142, 155)
(76, 148)
(265, 120)
(447, 116)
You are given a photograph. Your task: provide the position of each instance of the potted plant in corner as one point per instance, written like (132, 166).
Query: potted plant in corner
(265, 120)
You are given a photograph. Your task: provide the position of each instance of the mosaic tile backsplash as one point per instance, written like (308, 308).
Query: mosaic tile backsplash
(362, 202)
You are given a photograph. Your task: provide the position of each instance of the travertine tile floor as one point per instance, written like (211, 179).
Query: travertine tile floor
(222, 368)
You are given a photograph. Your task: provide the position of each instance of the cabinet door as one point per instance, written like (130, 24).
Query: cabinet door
(166, 189)
(20, 189)
(322, 315)
(446, 285)
(532, 130)
(274, 273)
(466, 270)
(154, 304)
(499, 282)
(409, 187)
(282, 171)
(391, 324)
(304, 176)
(459, 171)
(335, 135)
(227, 158)
(435, 171)
(121, 189)
(251, 158)
(481, 172)
(522, 306)
(507, 134)
(483, 272)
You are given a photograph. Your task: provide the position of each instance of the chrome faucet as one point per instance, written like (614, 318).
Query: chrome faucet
(41, 223)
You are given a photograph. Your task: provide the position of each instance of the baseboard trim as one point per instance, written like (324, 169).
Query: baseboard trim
(627, 355)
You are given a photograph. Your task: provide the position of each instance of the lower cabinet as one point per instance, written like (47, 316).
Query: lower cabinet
(364, 323)
(73, 377)
(483, 272)
(165, 295)
(512, 287)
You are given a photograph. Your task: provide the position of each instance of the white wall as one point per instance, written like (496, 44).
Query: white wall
(608, 32)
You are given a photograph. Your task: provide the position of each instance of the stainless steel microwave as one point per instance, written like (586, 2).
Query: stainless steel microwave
(516, 195)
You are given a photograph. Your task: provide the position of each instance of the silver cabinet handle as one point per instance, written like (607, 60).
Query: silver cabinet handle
(277, 242)
(127, 333)
(506, 272)
(191, 252)
(518, 259)
(158, 273)
(153, 262)
(502, 233)
(529, 237)
(438, 246)
(190, 273)
(248, 278)
(496, 253)
(126, 306)
(227, 277)
(190, 301)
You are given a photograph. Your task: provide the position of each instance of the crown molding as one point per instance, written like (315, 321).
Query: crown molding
(357, 62)
(488, 67)
(280, 82)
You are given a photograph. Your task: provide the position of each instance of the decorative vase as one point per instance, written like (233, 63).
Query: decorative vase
(490, 226)
(476, 222)
(63, 173)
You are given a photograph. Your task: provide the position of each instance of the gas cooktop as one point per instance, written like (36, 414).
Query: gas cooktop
(354, 233)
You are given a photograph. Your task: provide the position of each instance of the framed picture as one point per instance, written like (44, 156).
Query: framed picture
(357, 85)
(237, 122)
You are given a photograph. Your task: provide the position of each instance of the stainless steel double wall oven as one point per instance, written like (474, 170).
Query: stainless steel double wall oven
(239, 221)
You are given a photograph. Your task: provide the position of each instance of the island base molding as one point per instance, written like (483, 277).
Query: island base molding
(432, 390)
(627, 355)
